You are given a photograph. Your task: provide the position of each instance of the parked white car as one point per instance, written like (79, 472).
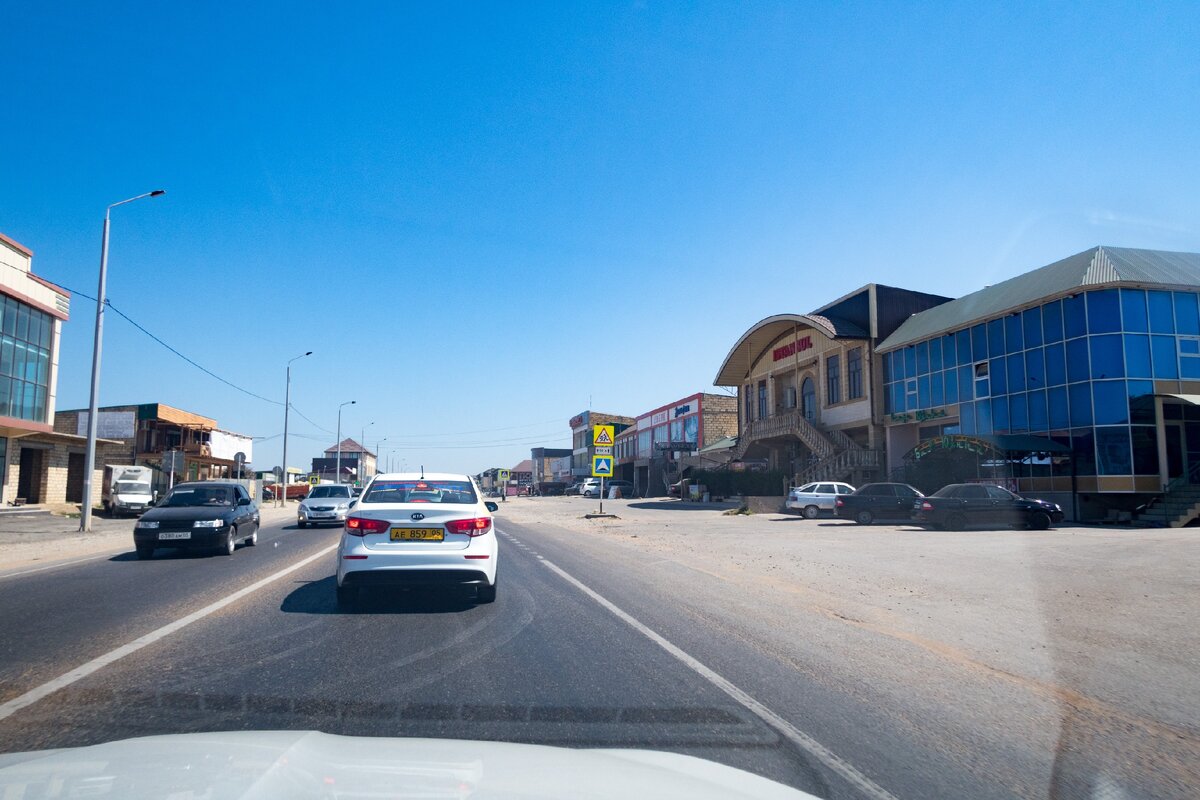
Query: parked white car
(813, 498)
(418, 529)
(590, 487)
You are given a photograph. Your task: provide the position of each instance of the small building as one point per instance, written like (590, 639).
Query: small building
(357, 463)
(653, 452)
(543, 462)
(146, 432)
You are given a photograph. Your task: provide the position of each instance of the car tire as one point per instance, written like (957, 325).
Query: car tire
(346, 596)
(485, 594)
(253, 540)
(956, 522)
(1039, 521)
(811, 512)
(301, 524)
(230, 543)
(144, 552)
(864, 517)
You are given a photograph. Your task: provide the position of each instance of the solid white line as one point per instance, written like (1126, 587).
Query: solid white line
(63, 563)
(82, 671)
(785, 728)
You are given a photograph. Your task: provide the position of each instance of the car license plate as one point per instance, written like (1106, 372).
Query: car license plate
(177, 535)
(418, 534)
(322, 515)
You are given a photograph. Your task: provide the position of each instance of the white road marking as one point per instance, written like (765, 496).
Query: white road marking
(107, 554)
(789, 731)
(84, 670)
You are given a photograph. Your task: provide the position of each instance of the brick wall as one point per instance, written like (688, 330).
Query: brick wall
(720, 417)
(52, 483)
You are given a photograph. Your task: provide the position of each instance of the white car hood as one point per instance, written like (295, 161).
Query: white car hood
(254, 765)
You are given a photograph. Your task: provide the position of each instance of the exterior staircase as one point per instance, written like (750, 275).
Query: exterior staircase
(836, 454)
(1178, 505)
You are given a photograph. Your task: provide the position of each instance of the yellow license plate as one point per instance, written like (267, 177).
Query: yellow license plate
(418, 534)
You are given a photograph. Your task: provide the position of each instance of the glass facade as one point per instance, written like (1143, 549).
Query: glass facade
(25, 339)
(1079, 370)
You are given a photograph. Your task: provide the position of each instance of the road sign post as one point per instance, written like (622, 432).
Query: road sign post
(502, 478)
(602, 461)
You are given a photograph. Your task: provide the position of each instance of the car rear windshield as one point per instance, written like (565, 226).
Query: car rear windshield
(199, 496)
(330, 491)
(420, 492)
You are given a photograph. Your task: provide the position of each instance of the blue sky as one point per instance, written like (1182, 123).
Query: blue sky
(480, 217)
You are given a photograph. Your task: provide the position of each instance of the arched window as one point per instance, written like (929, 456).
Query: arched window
(808, 399)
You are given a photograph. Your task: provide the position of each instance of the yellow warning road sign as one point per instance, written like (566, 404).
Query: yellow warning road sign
(603, 435)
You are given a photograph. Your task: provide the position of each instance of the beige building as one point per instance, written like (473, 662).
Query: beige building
(39, 464)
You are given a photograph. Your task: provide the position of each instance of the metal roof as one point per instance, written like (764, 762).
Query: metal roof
(763, 334)
(1095, 267)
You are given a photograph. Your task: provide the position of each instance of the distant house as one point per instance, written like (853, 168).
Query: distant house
(356, 463)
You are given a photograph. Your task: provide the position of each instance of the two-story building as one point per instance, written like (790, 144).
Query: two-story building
(653, 451)
(357, 463)
(583, 449)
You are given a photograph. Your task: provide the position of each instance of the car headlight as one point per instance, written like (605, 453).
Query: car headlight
(343, 507)
(147, 523)
(208, 523)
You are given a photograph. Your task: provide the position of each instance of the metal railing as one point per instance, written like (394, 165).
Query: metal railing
(838, 464)
(788, 423)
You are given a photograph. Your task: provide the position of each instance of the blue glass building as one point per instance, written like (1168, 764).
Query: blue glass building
(1078, 381)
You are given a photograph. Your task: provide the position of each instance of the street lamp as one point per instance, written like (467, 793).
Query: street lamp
(362, 449)
(89, 463)
(379, 455)
(287, 404)
(339, 439)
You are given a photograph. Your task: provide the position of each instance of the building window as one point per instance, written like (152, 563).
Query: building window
(854, 389)
(25, 335)
(982, 388)
(1189, 358)
(762, 399)
(833, 379)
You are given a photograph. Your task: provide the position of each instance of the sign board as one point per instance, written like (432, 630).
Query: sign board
(604, 435)
(604, 451)
(173, 461)
(602, 466)
(502, 475)
(681, 446)
(109, 424)
(313, 480)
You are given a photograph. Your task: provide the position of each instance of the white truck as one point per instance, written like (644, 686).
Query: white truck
(127, 489)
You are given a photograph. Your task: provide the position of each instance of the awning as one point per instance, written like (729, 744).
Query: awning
(1194, 399)
(1024, 443)
(727, 443)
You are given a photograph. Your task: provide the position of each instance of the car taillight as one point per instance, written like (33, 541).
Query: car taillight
(361, 526)
(926, 505)
(839, 502)
(470, 527)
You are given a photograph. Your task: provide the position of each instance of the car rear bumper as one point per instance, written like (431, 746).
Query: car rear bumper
(416, 577)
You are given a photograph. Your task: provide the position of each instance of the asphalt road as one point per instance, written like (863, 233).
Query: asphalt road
(577, 650)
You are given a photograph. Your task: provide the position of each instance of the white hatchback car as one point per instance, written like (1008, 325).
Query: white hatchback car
(813, 498)
(418, 529)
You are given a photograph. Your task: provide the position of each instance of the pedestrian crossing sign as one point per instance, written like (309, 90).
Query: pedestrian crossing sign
(602, 466)
(603, 435)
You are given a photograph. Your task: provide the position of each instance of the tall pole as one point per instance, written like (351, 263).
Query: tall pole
(362, 450)
(379, 455)
(338, 476)
(89, 461)
(287, 404)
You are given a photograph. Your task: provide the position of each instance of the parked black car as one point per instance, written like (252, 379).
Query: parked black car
(874, 501)
(551, 488)
(962, 505)
(197, 515)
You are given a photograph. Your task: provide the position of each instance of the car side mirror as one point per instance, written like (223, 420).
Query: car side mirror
(244, 501)
(492, 507)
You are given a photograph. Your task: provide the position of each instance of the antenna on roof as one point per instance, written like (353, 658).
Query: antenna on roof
(422, 472)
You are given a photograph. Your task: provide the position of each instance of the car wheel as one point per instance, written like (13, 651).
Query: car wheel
(301, 524)
(230, 543)
(956, 522)
(144, 552)
(864, 517)
(811, 512)
(253, 540)
(346, 596)
(485, 594)
(1040, 521)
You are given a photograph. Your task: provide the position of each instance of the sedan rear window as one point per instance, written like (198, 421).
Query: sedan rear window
(420, 492)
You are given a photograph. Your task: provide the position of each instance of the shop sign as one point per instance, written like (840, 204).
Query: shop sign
(682, 411)
(579, 420)
(952, 441)
(919, 416)
(658, 418)
(790, 349)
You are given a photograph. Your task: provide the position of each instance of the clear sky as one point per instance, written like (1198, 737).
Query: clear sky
(482, 218)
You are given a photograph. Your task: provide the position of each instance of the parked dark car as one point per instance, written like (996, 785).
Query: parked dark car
(551, 488)
(625, 488)
(872, 501)
(962, 505)
(198, 515)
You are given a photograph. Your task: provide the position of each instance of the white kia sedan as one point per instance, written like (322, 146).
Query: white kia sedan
(418, 529)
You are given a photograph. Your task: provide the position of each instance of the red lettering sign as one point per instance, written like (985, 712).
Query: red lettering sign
(798, 346)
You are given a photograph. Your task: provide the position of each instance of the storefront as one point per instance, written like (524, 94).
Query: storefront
(1096, 356)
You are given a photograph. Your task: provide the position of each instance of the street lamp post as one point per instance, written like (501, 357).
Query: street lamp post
(362, 449)
(379, 455)
(287, 404)
(338, 476)
(89, 463)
